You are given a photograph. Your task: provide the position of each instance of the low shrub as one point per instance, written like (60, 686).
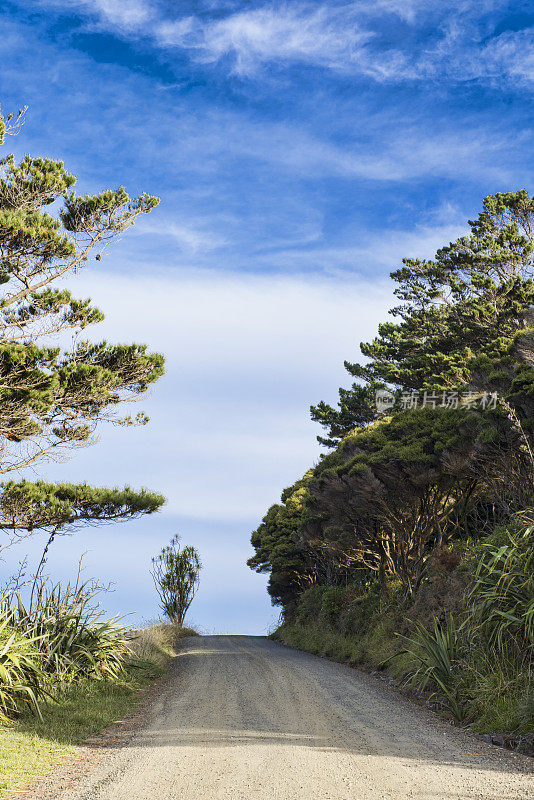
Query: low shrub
(436, 655)
(21, 674)
(72, 637)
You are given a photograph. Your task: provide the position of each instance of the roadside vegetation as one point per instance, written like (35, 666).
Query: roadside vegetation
(176, 576)
(409, 546)
(66, 670)
(33, 743)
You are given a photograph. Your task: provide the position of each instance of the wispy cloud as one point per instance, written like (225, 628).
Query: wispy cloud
(335, 36)
(511, 53)
(322, 35)
(195, 238)
(126, 16)
(370, 253)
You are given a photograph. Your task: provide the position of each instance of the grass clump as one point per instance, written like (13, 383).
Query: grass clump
(22, 679)
(31, 745)
(72, 638)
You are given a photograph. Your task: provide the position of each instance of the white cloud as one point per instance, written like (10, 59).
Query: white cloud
(511, 53)
(126, 16)
(342, 37)
(246, 356)
(408, 151)
(194, 238)
(339, 37)
(323, 35)
(372, 252)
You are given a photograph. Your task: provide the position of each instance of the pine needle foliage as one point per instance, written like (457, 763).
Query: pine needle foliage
(52, 400)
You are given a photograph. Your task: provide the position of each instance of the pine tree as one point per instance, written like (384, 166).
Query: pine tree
(52, 399)
(462, 323)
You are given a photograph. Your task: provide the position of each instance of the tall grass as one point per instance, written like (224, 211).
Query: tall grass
(436, 654)
(502, 598)
(70, 631)
(22, 682)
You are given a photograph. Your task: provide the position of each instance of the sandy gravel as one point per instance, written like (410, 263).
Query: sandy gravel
(242, 717)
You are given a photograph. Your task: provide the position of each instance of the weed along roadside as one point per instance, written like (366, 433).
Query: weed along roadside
(32, 744)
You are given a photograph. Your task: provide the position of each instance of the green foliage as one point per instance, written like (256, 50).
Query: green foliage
(502, 598)
(51, 399)
(392, 494)
(279, 548)
(73, 638)
(436, 653)
(397, 489)
(176, 574)
(461, 668)
(21, 674)
(356, 409)
(36, 505)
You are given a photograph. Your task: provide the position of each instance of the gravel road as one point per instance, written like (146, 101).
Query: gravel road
(245, 718)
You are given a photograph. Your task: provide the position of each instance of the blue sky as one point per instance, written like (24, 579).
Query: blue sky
(300, 151)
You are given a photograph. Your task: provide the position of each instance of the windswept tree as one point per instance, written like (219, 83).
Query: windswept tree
(52, 399)
(176, 574)
(280, 549)
(392, 495)
(461, 322)
(61, 508)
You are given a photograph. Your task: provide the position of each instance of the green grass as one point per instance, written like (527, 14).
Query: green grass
(498, 696)
(31, 747)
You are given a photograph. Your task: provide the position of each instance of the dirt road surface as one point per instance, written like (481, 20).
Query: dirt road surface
(245, 718)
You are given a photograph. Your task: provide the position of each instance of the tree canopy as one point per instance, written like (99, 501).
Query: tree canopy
(281, 550)
(461, 319)
(453, 453)
(52, 398)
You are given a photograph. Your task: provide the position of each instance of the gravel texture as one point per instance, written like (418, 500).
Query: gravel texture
(243, 717)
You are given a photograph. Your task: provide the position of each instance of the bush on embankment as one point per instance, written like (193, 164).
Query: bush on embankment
(464, 641)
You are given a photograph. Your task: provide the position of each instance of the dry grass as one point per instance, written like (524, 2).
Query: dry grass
(31, 747)
(157, 643)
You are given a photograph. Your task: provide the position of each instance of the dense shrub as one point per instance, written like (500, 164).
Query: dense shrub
(21, 675)
(72, 637)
